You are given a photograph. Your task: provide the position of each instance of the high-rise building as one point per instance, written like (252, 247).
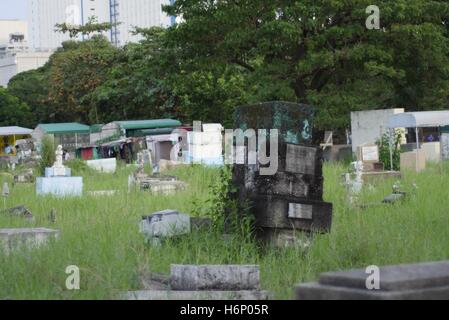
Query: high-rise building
(45, 14)
(132, 13)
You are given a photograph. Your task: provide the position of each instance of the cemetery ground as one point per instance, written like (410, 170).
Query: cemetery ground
(100, 235)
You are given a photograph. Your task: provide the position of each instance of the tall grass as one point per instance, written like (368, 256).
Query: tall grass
(100, 235)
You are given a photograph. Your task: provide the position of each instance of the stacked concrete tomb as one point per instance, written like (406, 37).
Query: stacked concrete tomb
(421, 281)
(290, 200)
(204, 282)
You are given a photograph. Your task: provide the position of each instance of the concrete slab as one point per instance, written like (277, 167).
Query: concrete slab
(14, 239)
(163, 224)
(284, 213)
(396, 277)
(214, 277)
(317, 291)
(419, 281)
(58, 172)
(197, 295)
(59, 186)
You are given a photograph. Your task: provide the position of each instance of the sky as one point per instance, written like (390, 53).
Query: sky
(13, 9)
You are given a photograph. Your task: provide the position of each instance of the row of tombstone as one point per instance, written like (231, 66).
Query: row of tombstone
(420, 281)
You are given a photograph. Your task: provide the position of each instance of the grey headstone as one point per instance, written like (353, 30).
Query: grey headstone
(276, 212)
(17, 238)
(412, 281)
(301, 159)
(289, 184)
(214, 277)
(394, 197)
(162, 224)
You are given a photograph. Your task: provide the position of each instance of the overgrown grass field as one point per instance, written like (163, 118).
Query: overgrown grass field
(100, 235)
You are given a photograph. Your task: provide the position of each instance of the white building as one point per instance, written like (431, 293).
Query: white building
(369, 125)
(13, 31)
(15, 56)
(141, 13)
(12, 63)
(14, 35)
(45, 14)
(8, 66)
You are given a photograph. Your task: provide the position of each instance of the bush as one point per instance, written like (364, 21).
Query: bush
(47, 154)
(222, 207)
(384, 150)
(78, 166)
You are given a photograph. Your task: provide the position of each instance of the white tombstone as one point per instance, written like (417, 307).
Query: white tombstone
(58, 180)
(163, 224)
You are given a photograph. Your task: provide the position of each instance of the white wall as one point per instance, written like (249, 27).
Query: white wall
(108, 130)
(12, 64)
(368, 126)
(31, 60)
(8, 69)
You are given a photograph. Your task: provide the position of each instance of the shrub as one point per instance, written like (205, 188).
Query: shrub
(384, 149)
(47, 154)
(222, 207)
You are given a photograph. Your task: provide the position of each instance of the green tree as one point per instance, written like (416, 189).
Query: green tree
(136, 85)
(320, 51)
(32, 87)
(91, 27)
(78, 68)
(14, 112)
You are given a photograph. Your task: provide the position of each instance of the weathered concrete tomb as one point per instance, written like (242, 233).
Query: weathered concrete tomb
(164, 224)
(421, 281)
(291, 200)
(29, 238)
(156, 184)
(203, 282)
(210, 277)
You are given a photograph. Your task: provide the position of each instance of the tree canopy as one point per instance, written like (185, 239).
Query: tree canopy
(227, 53)
(13, 112)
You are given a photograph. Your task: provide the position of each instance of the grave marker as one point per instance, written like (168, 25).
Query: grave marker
(58, 180)
(291, 200)
(421, 281)
(14, 239)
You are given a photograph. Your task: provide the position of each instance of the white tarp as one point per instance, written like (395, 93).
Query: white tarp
(419, 119)
(10, 131)
(103, 165)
